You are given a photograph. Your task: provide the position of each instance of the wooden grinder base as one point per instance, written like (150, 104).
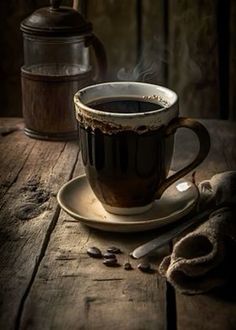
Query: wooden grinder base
(48, 106)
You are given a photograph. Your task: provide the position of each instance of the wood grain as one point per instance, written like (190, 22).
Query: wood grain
(222, 155)
(48, 281)
(205, 312)
(96, 297)
(28, 213)
(193, 57)
(115, 24)
(52, 114)
(12, 148)
(208, 311)
(11, 168)
(180, 41)
(154, 45)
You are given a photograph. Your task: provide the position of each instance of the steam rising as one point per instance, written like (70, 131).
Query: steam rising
(149, 68)
(139, 73)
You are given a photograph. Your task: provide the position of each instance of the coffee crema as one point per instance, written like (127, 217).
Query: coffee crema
(124, 105)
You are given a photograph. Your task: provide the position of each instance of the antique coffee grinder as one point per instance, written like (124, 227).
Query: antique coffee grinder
(57, 44)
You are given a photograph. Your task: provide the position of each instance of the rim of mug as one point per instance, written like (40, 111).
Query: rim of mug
(78, 101)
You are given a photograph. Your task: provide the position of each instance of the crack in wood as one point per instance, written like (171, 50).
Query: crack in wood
(71, 275)
(17, 175)
(66, 258)
(76, 221)
(61, 152)
(36, 267)
(171, 317)
(153, 304)
(86, 241)
(87, 304)
(41, 255)
(107, 279)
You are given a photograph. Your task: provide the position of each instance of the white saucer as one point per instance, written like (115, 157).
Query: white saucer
(78, 200)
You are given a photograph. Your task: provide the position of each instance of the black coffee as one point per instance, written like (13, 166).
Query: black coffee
(122, 105)
(125, 169)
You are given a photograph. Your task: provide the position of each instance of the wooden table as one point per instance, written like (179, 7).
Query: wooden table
(47, 279)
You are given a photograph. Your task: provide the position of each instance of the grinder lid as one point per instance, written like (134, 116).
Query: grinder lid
(57, 21)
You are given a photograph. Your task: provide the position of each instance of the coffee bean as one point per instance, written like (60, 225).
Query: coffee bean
(145, 267)
(111, 263)
(108, 255)
(114, 249)
(94, 252)
(128, 266)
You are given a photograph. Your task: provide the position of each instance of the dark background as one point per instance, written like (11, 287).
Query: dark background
(186, 45)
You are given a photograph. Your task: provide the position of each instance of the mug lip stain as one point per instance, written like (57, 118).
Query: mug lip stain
(78, 102)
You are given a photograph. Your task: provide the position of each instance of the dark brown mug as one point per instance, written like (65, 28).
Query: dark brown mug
(126, 132)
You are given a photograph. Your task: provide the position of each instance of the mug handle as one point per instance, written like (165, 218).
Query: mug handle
(100, 55)
(204, 143)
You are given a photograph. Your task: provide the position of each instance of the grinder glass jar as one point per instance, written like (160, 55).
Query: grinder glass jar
(56, 65)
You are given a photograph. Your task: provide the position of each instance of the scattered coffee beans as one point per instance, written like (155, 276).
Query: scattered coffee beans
(94, 252)
(109, 255)
(110, 259)
(114, 249)
(128, 266)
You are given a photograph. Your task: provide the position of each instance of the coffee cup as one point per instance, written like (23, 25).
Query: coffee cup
(126, 136)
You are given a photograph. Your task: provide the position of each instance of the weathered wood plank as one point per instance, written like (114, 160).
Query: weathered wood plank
(28, 214)
(114, 23)
(192, 52)
(222, 152)
(85, 294)
(11, 168)
(13, 153)
(86, 287)
(210, 311)
(193, 57)
(154, 43)
(48, 281)
(9, 125)
(73, 291)
(205, 312)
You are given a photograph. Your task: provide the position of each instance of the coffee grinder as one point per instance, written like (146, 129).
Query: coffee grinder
(57, 44)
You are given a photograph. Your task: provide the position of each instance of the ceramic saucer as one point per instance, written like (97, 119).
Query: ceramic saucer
(78, 200)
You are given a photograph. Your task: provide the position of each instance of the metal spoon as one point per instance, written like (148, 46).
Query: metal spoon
(165, 238)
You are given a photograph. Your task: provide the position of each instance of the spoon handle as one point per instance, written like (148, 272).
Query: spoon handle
(162, 239)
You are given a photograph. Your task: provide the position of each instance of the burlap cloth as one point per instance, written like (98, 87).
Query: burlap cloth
(204, 258)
